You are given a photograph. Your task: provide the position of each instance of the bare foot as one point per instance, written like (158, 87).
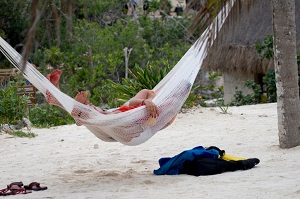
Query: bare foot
(82, 97)
(54, 77)
(52, 100)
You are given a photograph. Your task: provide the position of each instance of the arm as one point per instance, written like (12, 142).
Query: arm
(141, 97)
(145, 97)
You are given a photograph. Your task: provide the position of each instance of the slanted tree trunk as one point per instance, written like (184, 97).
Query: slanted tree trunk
(288, 104)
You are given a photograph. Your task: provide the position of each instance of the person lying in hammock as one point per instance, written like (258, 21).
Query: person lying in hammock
(143, 97)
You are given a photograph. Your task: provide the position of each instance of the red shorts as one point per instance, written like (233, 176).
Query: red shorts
(127, 108)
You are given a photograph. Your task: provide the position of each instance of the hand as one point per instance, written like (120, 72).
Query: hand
(151, 107)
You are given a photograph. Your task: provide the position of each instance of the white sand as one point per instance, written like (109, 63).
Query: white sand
(73, 163)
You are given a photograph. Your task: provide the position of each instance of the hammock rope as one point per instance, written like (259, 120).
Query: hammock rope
(135, 126)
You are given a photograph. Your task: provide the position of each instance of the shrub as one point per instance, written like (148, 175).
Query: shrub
(270, 83)
(253, 98)
(13, 107)
(146, 78)
(45, 116)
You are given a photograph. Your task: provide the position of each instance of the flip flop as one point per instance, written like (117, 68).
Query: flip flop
(21, 190)
(7, 191)
(13, 189)
(4, 192)
(20, 184)
(35, 186)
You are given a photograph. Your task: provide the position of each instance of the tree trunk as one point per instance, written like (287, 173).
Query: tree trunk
(286, 70)
(127, 53)
(91, 60)
(56, 17)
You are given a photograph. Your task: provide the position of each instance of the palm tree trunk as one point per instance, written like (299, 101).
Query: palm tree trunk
(286, 70)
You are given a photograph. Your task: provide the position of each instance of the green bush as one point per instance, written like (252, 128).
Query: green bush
(146, 78)
(270, 83)
(253, 98)
(265, 49)
(45, 116)
(13, 107)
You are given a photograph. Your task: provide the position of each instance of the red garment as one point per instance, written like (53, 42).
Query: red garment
(127, 108)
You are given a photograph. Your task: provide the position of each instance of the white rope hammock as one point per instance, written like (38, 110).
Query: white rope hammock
(135, 126)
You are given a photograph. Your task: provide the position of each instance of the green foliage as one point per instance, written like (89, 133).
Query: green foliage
(2, 34)
(23, 134)
(92, 56)
(256, 88)
(216, 92)
(257, 96)
(270, 83)
(166, 5)
(157, 32)
(13, 22)
(53, 56)
(47, 116)
(97, 55)
(222, 106)
(265, 49)
(153, 5)
(146, 78)
(14, 18)
(13, 107)
(253, 98)
(210, 89)
(193, 98)
(92, 10)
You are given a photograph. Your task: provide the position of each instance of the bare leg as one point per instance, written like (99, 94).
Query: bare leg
(54, 77)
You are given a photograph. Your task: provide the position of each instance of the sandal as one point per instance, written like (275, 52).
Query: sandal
(35, 186)
(4, 192)
(21, 190)
(13, 189)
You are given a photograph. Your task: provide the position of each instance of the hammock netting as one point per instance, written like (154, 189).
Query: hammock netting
(135, 126)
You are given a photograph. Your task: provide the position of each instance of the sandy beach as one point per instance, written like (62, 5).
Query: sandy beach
(73, 163)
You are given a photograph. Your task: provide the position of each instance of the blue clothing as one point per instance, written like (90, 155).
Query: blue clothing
(173, 166)
(27, 82)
